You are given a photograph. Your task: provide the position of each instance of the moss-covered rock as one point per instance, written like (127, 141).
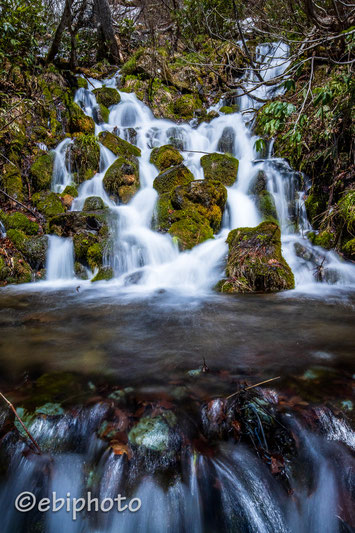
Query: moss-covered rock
(185, 106)
(191, 230)
(82, 83)
(325, 239)
(348, 249)
(71, 191)
(14, 269)
(153, 433)
(226, 143)
(78, 122)
(104, 274)
(74, 222)
(82, 241)
(122, 179)
(93, 203)
(84, 157)
(255, 262)
(266, 205)
(33, 248)
(19, 221)
(227, 110)
(117, 145)
(165, 156)
(101, 114)
(48, 203)
(346, 207)
(41, 171)
(11, 181)
(107, 96)
(220, 167)
(171, 178)
(315, 205)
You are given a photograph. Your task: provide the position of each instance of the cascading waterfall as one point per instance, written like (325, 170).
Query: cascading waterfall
(144, 260)
(60, 262)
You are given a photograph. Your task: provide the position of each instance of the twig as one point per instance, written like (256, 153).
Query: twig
(22, 205)
(252, 387)
(22, 424)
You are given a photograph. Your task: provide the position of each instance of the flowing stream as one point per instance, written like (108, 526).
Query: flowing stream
(230, 490)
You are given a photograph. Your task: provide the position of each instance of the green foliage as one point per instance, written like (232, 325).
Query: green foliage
(273, 116)
(22, 23)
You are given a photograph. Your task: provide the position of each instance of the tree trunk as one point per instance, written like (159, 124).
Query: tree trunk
(105, 27)
(59, 32)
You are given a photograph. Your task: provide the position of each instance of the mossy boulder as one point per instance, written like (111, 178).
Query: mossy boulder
(71, 191)
(165, 156)
(190, 231)
(220, 167)
(82, 241)
(19, 221)
(266, 205)
(101, 114)
(171, 178)
(48, 203)
(74, 222)
(82, 83)
(346, 208)
(84, 157)
(117, 145)
(93, 203)
(107, 96)
(153, 433)
(348, 248)
(14, 269)
(11, 181)
(255, 262)
(227, 110)
(315, 205)
(185, 106)
(41, 171)
(78, 122)
(326, 239)
(104, 274)
(33, 248)
(122, 179)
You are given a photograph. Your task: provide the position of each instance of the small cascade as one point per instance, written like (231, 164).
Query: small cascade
(60, 259)
(145, 260)
(61, 172)
(2, 230)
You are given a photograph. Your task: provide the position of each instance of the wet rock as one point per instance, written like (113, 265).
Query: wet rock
(227, 141)
(101, 114)
(11, 181)
(118, 146)
(78, 122)
(325, 239)
(93, 203)
(171, 178)
(41, 171)
(105, 273)
(176, 138)
(165, 156)
(84, 157)
(255, 262)
(266, 205)
(33, 248)
(186, 106)
(107, 96)
(48, 203)
(122, 179)
(153, 433)
(223, 168)
(73, 222)
(259, 183)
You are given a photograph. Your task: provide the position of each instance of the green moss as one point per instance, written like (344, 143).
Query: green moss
(348, 248)
(171, 178)
(41, 171)
(78, 122)
(131, 65)
(11, 182)
(107, 96)
(220, 167)
(185, 106)
(165, 157)
(315, 206)
(122, 179)
(94, 255)
(82, 242)
(151, 433)
(105, 273)
(104, 113)
(19, 221)
(325, 239)
(118, 146)
(73, 223)
(84, 156)
(255, 262)
(82, 83)
(14, 269)
(227, 110)
(93, 203)
(71, 190)
(33, 248)
(190, 232)
(48, 203)
(266, 205)
(346, 208)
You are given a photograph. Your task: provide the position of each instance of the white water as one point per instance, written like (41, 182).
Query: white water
(144, 260)
(60, 262)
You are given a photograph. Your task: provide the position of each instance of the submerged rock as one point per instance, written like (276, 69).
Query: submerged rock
(165, 156)
(122, 179)
(153, 433)
(107, 96)
(220, 167)
(266, 205)
(255, 262)
(227, 141)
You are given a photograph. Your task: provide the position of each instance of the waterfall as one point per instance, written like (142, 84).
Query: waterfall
(60, 262)
(144, 260)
